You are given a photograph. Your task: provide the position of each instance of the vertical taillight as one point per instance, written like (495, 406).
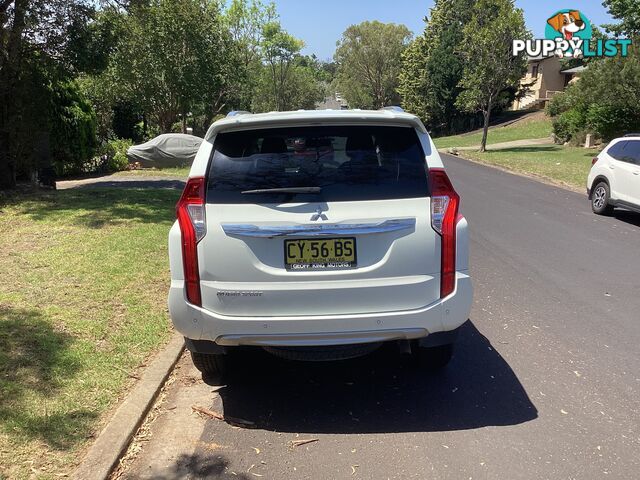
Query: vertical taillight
(593, 161)
(444, 217)
(193, 227)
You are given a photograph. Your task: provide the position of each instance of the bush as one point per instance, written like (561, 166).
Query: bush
(568, 124)
(116, 154)
(176, 127)
(118, 162)
(152, 132)
(57, 124)
(611, 121)
(596, 104)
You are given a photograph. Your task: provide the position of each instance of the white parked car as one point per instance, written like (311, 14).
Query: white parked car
(614, 179)
(318, 235)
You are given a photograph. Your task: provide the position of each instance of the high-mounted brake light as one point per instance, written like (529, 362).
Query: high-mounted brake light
(444, 217)
(191, 218)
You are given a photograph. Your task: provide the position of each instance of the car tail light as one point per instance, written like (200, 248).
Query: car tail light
(593, 161)
(191, 218)
(444, 217)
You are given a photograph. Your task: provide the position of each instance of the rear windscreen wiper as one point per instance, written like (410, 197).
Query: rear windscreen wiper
(286, 190)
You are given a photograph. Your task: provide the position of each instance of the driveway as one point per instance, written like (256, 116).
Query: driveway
(513, 143)
(123, 180)
(544, 383)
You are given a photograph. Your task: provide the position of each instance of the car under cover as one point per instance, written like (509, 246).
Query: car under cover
(166, 150)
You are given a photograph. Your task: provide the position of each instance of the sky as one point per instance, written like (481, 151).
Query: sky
(320, 23)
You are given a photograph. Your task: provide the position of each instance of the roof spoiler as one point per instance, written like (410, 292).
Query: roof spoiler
(393, 108)
(235, 113)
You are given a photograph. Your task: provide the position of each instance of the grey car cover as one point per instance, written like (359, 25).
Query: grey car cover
(167, 150)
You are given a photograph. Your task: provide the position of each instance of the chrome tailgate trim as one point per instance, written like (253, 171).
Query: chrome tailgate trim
(317, 230)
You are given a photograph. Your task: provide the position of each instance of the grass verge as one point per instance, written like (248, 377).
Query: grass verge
(82, 305)
(557, 163)
(156, 172)
(538, 126)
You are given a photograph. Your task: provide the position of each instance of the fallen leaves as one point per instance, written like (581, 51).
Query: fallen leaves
(254, 473)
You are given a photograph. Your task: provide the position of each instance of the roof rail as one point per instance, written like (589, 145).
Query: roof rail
(393, 108)
(632, 135)
(235, 113)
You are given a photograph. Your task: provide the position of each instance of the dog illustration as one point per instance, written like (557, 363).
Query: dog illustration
(567, 24)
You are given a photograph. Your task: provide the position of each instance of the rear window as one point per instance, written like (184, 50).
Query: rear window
(345, 163)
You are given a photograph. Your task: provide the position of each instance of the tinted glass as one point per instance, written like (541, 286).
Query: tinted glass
(631, 152)
(616, 151)
(346, 162)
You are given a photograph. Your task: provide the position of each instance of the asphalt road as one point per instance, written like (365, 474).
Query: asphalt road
(544, 383)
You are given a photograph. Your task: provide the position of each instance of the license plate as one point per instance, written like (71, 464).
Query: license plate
(320, 254)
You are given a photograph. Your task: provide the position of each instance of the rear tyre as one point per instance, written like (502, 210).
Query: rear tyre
(434, 358)
(210, 364)
(600, 199)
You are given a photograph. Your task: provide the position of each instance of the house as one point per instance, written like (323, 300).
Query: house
(545, 77)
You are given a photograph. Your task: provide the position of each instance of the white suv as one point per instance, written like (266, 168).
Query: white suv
(614, 179)
(318, 235)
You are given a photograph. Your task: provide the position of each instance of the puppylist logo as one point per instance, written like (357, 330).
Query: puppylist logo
(568, 34)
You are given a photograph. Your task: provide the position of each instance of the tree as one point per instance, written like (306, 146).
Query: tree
(279, 50)
(628, 12)
(490, 67)
(432, 67)
(34, 37)
(246, 21)
(368, 60)
(173, 56)
(304, 87)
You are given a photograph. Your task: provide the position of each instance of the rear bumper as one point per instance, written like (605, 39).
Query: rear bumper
(196, 323)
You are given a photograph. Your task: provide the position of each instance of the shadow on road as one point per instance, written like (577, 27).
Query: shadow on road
(196, 466)
(627, 216)
(380, 393)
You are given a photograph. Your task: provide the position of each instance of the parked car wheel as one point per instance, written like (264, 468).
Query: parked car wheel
(210, 364)
(434, 358)
(600, 199)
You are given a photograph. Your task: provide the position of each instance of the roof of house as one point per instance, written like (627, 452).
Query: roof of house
(579, 69)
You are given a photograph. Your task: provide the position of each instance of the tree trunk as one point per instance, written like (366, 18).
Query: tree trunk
(7, 165)
(145, 126)
(184, 120)
(9, 101)
(485, 129)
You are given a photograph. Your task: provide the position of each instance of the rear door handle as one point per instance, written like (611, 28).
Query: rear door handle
(636, 172)
(611, 167)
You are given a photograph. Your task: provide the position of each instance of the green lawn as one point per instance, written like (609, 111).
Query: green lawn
(536, 127)
(159, 172)
(567, 165)
(82, 306)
